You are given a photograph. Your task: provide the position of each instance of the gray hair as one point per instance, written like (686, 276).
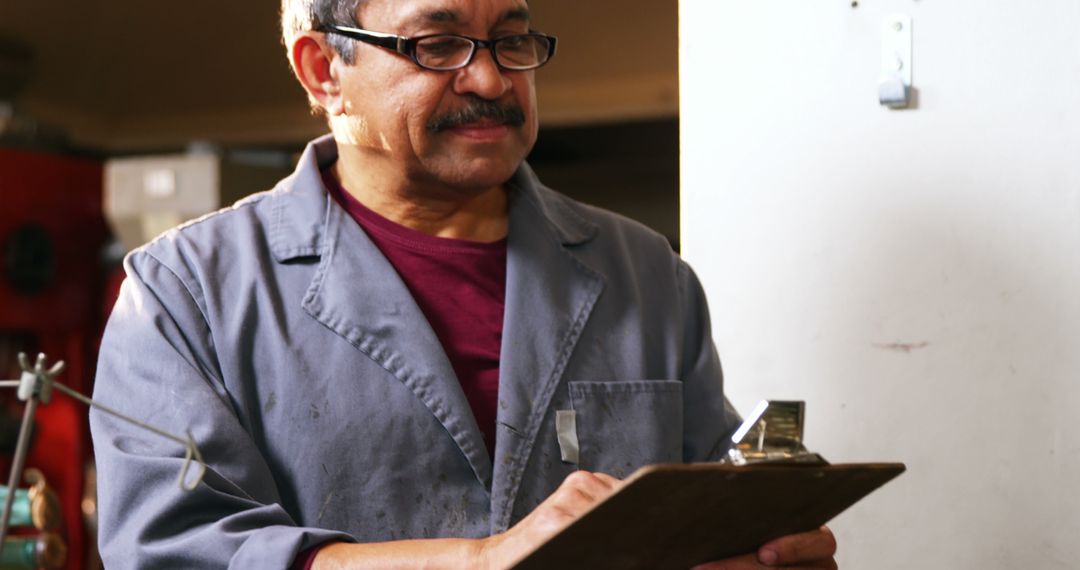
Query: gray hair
(302, 15)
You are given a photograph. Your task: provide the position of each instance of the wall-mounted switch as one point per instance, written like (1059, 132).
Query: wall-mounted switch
(894, 87)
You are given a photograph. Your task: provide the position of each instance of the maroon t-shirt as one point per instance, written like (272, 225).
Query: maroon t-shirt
(460, 286)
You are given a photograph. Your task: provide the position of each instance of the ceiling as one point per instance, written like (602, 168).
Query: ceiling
(125, 75)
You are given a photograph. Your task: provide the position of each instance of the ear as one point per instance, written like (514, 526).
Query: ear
(313, 63)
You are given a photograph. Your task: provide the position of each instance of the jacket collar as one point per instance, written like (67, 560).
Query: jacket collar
(567, 225)
(300, 206)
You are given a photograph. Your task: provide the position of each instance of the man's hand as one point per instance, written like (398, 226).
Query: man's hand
(812, 550)
(581, 490)
(577, 494)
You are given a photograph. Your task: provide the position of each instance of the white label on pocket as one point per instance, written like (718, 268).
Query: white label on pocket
(566, 427)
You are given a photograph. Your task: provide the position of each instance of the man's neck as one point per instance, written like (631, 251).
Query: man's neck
(441, 212)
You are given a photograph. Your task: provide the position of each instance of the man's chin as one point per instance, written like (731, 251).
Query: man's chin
(463, 162)
(476, 174)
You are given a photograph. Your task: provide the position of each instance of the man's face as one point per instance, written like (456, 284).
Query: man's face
(409, 120)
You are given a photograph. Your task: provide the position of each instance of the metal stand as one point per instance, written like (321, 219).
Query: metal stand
(35, 386)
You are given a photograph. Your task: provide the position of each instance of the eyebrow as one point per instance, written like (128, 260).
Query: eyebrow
(453, 17)
(516, 15)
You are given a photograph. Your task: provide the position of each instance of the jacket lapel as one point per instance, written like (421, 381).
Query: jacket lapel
(358, 294)
(550, 294)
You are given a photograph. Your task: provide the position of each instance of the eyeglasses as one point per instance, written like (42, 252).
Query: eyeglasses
(446, 52)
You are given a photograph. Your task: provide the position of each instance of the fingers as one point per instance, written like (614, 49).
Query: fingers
(576, 495)
(750, 562)
(593, 486)
(812, 550)
(746, 562)
(813, 546)
(611, 481)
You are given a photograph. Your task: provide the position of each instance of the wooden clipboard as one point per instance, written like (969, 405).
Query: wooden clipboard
(678, 516)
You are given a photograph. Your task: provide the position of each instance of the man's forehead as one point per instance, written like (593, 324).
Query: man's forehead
(420, 12)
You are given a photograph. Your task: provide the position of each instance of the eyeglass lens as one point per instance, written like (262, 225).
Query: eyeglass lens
(450, 52)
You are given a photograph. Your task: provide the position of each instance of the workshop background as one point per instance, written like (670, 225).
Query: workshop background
(121, 118)
(911, 273)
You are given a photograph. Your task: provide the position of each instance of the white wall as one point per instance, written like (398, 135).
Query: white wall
(914, 275)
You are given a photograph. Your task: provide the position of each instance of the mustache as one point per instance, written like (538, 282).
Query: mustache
(505, 114)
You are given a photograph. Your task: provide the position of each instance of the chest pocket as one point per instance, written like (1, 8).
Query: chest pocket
(622, 426)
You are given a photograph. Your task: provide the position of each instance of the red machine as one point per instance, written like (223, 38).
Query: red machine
(52, 236)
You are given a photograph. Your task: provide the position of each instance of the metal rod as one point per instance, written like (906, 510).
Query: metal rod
(17, 466)
(122, 416)
(192, 451)
(40, 375)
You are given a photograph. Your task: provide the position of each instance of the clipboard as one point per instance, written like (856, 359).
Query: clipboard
(678, 516)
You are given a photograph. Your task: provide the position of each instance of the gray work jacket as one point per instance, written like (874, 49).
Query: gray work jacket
(325, 407)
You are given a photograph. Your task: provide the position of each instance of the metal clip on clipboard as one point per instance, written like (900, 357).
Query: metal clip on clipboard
(772, 433)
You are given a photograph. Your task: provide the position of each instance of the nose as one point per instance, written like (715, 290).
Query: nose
(482, 77)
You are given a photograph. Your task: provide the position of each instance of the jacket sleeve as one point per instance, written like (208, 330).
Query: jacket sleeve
(158, 364)
(709, 419)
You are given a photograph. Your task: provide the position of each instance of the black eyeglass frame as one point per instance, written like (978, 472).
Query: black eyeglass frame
(406, 46)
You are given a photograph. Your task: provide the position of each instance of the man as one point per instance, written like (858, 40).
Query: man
(409, 353)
